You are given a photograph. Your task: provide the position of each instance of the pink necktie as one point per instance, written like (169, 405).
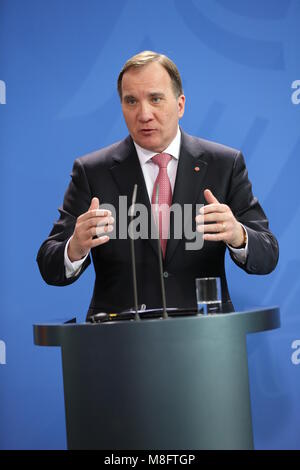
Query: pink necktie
(164, 197)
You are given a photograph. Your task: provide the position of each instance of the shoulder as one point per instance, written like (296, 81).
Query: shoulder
(106, 156)
(209, 149)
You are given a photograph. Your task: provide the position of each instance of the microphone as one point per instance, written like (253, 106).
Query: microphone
(162, 284)
(133, 262)
(132, 252)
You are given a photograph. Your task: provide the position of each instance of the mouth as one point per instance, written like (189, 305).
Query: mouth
(147, 131)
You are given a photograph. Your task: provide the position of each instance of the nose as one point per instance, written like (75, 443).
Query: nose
(145, 112)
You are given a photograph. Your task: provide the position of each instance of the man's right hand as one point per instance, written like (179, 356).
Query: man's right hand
(91, 224)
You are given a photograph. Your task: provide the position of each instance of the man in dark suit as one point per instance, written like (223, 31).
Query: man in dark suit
(195, 172)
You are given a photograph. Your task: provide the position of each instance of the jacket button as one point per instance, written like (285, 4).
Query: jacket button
(166, 274)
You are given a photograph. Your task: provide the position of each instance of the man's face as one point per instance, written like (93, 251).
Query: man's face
(150, 107)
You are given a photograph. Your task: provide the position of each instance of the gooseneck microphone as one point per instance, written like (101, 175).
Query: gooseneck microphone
(135, 295)
(162, 284)
(132, 252)
(127, 314)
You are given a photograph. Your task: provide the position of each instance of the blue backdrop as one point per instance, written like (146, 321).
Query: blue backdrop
(59, 61)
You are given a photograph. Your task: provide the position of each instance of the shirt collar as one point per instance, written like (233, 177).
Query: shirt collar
(172, 149)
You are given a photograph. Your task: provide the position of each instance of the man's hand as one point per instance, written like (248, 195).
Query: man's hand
(91, 224)
(217, 222)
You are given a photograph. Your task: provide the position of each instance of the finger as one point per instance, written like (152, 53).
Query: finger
(99, 241)
(209, 197)
(105, 221)
(94, 204)
(94, 213)
(213, 208)
(214, 237)
(101, 230)
(93, 232)
(212, 228)
(211, 217)
(216, 217)
(199, 219)
(96, 221)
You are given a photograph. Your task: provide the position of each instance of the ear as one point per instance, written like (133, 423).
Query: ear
(181, 105)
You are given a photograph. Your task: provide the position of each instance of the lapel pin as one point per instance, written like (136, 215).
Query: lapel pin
(197, 168)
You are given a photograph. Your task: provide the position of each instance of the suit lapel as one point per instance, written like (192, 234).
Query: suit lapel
(190, 178)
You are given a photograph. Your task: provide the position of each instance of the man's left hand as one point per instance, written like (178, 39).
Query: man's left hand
(217, 222)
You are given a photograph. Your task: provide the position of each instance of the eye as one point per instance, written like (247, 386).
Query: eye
(156, 99)
(130, 100)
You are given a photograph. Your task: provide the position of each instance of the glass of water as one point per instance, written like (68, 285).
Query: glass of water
(209, 295)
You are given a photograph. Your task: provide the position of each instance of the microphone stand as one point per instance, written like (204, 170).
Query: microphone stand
(162, 284)
(137, 316)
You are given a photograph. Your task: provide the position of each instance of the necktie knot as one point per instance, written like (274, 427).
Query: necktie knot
(162, 159)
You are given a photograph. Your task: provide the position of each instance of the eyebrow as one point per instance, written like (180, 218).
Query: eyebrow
(151, 95)
(126, 97)
(157, 93)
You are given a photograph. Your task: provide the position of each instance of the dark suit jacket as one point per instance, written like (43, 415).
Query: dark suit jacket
(113, 171)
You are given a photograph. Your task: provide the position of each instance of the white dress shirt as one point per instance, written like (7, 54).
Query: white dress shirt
(150, 171)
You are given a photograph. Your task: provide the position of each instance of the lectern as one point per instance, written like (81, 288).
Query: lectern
(163, 384)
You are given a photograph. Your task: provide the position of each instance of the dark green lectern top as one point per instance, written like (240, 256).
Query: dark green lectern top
(178, 383)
